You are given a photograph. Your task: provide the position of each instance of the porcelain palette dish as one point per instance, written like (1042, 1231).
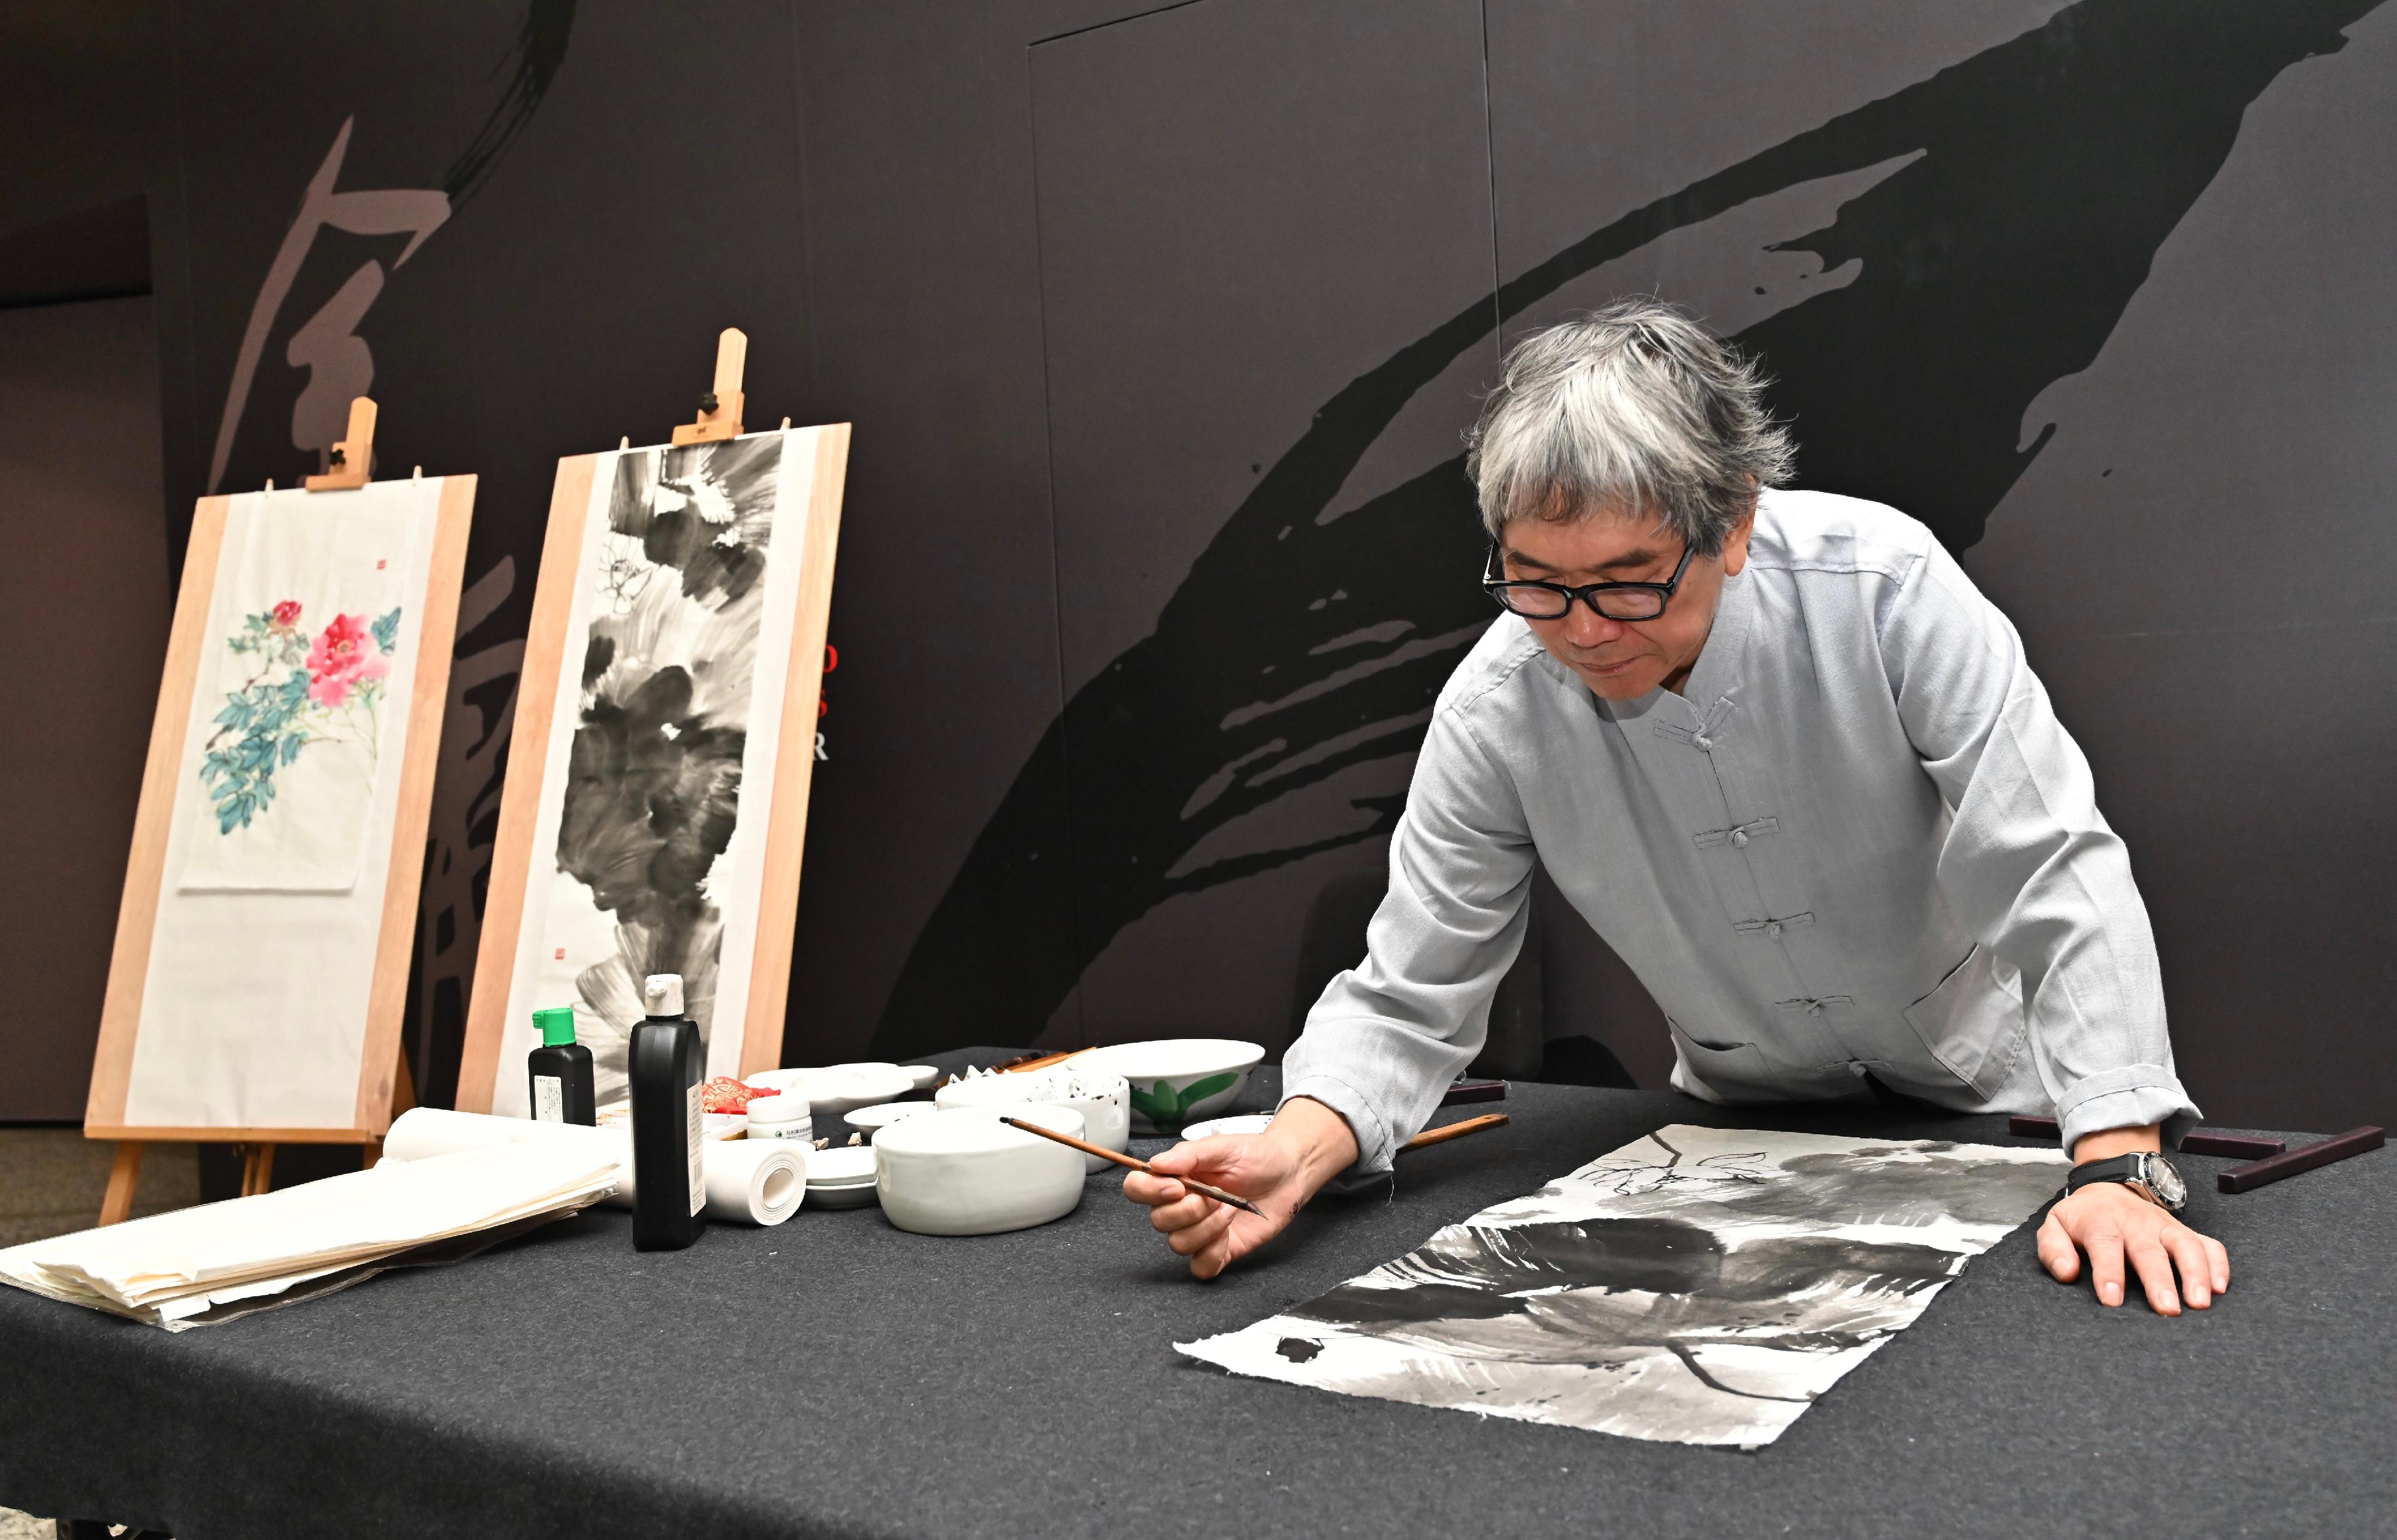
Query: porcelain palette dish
(924, 1076)
(882, 1114)
(837, 1089)
(841, 1176)
(964, 1173)
(1243, 1122)
(1176, 1080)
(1104, 1100)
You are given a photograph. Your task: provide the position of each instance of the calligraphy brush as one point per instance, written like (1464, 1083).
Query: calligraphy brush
(1453, 1131)
(1218, 1194)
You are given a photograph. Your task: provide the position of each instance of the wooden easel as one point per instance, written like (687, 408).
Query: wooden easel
(257, 1157)
(720, 409)
(381, 1097)
(545, 672)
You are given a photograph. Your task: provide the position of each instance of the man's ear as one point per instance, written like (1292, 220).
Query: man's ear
(1734, 550)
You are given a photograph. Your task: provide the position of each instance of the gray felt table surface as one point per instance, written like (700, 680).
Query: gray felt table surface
(835, 1376)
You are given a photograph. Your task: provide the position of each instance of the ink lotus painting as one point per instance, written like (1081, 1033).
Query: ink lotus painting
(643, 861)
(295, 699)
(1698, 1286)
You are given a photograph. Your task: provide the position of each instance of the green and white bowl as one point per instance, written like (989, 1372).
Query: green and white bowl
(1176, 1080)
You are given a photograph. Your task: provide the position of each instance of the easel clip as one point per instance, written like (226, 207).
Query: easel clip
(719, 409)
(352, 458)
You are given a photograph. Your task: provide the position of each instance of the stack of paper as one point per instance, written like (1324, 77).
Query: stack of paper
(171, 1268)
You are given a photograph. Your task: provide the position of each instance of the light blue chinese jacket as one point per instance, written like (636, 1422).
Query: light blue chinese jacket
(1859, 842)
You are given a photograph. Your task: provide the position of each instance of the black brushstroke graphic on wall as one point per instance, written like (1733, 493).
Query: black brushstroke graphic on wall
(539, 53)
(2053, 166)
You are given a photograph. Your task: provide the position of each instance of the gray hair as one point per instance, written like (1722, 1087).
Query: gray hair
(1632, 408)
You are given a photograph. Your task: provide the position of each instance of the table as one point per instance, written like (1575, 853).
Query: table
(835, 1376)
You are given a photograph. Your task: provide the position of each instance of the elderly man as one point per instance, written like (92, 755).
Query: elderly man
(1783, 756)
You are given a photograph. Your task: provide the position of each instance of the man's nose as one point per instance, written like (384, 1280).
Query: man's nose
(1587, 627)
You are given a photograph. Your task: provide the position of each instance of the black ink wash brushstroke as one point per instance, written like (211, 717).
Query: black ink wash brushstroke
(653, 779)
(1601, 1291)
(2054, 166)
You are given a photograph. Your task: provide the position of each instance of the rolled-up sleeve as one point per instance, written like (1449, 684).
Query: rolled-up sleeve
(1387, 1037)
(2028, 865)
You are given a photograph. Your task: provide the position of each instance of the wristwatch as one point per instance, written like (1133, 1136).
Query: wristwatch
(2144, 1172)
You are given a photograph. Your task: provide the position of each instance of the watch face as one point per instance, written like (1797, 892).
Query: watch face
(2165, 1181)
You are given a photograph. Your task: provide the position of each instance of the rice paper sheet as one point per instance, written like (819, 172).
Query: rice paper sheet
(1697, 1286)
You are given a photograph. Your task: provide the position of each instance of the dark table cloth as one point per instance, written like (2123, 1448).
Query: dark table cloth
(835, 1376)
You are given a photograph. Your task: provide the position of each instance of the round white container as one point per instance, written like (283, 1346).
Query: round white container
(785, 1116)
(965, 1172)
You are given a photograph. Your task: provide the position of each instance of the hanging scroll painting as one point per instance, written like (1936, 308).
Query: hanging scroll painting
(260, 967)
(659, 770)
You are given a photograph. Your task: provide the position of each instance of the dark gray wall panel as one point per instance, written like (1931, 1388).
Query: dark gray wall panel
(1222, 189)
(84, 607)
(1931, 228)
(2201, 561)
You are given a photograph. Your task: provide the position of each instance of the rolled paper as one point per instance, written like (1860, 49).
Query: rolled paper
(759, 1183)
(745, 1184)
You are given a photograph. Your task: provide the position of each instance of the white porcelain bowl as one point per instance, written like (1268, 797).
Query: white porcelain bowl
(1104, 1100)
(965, 1172)
(1176, 1080)
(924, 1076)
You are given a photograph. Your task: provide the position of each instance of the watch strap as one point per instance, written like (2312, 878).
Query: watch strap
(2118, 1168)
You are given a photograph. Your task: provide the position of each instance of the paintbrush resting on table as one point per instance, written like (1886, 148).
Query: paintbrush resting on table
(1218, 1194)
(1452, 1130)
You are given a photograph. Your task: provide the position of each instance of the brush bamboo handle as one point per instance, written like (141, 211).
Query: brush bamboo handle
(1453, 1131)
(1218, 1194)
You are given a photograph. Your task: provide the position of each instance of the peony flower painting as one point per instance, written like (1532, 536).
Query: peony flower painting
(305, 689)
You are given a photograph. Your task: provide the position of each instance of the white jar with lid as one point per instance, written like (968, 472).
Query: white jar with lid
(783, 1117)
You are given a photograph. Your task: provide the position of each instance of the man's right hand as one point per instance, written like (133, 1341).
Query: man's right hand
(1307, 1145)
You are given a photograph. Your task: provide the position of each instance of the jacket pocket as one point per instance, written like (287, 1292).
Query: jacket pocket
(1736, 1072)
(1972, 1024)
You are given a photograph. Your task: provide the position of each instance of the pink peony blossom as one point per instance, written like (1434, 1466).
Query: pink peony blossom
(343, 657)
(287, 614)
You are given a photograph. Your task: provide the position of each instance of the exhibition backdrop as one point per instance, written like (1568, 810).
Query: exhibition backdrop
(1159, 327)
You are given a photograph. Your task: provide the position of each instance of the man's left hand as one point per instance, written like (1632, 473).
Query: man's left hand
(2115, 1225)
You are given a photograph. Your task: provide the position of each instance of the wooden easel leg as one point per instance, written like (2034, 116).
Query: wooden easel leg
(125, 1170)
(257, 1169)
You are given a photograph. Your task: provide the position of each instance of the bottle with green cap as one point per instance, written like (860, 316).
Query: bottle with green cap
(560, 1069)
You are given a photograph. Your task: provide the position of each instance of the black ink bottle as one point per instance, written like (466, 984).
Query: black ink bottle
(560, 1071)
(667, 1063)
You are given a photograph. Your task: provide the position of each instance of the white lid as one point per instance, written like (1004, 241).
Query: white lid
(788, 1106)
(662, 994)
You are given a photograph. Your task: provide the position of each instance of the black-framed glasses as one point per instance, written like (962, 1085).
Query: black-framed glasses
(1616, 602)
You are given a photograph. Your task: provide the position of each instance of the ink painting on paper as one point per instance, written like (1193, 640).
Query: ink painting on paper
(1698, 1286)
(651, 798)
(292, 716)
